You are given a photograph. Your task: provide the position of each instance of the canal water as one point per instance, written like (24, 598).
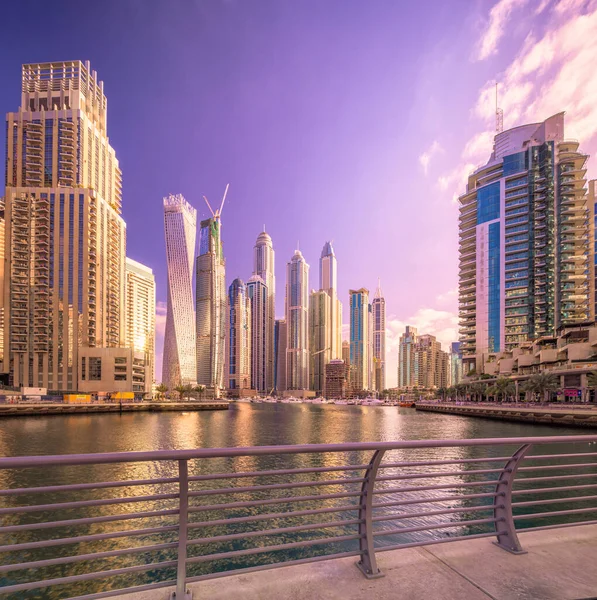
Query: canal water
(245, 425)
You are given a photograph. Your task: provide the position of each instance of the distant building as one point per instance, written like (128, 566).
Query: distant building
(238, 355)
(346, 352)
(320, 343)
(379, 340)
(431, 363)
(259, 298)
(280, 339)
(406, 358)
(328, 282)
(336, 379)
(455, 359)
(359, 340)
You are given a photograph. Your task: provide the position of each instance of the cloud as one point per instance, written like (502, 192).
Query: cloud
(499, 16)
(426, 157)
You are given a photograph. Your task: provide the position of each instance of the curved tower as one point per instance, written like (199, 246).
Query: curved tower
(263, 266)
(297, 322)
(180, 225)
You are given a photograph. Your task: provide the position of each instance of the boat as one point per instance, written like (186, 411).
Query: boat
(406, 404)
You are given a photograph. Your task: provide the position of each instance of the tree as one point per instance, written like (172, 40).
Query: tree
(441, 392)
(592, 382)
(180, 389)
(504, 387)
(188, 390)
(161, 390)
(478, 390)
(541, 384)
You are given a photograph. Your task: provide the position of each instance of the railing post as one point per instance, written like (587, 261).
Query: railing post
(368, 563)
(502, 505)
(181, 592)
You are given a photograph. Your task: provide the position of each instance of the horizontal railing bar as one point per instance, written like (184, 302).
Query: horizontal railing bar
(38, 564)
(433, 474)
(267, 532)
(202, 453)
(273, 486)
(81, 503)
(88, 520)
(129, 590)
(86, 486)
(398, 530)
(553, 501)
(554, 513)
(441, 541)
(281, 515)
(446, 486)
(275, 472)
(557, 526)
(34, 585)
(438, 499)
(300, 561)
(561, 488)
(553, 467)
(454, 461)
(86, 538)
(289, 499)
(264, 549)
(447, 511)
(546, 456)
(556, 477)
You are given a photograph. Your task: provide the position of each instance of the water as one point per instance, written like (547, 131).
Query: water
(246, 425)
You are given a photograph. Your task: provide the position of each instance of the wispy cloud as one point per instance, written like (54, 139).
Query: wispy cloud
(495, 28)
(426, 157)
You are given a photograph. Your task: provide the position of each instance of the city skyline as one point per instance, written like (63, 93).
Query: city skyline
(396, 158)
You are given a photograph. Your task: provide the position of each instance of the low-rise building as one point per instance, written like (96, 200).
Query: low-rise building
(336, 379)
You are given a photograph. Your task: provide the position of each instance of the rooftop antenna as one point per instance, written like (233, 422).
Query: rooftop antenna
(499, 113)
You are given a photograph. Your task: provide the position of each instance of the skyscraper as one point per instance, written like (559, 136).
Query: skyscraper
(406, 358)
(328, 276)
(526, 241)
(259, 298)
(319, 338)
(263, 266)
(180, 225)
(359, 339)
(211, 304)
(379, 339)
(64, 289)
(280, 341)
(431, 363)
(140, 316)
(297, 322)
(455, 366)
(238, 353)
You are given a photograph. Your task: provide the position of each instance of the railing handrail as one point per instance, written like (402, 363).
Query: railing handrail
(18, 462)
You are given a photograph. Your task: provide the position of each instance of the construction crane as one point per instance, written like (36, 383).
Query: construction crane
(216, 215)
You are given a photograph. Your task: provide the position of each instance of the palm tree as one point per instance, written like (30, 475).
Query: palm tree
(478, 389)
(504, 387)
(460, 389)
(451, 392)
(541, 384)
(161, 390)
(592, 382)
(442, 392)
(199, 389)
(188, 390)
(180, 389)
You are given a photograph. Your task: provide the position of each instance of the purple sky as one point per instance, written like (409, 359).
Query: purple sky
(343, 120)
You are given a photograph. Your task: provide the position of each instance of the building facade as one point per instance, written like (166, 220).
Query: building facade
(64, 287)
(526, 242)
(264, 267)
(455, 359)
(238, 351)
(328, 282)
(360, 346)
(297, 323)
(211, 306)
(280, 340)
(431, 363)
(140, 318)
(180, 226)
(320, 333)
(406, 358)
(379, 340)
(259, 299)
(337, 382)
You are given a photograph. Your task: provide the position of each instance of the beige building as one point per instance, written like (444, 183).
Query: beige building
(336, 379)
(64, 285)
(237, 363)
(320, 338)
(140, 316)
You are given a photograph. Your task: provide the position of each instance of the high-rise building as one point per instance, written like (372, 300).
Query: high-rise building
(238, 353)
(2, 240)
(211, 305)
(336, 379)
(259, 299)
(359, 340)
(319, 338)
(280, 340)
(263, 266)
(593, 204)
(379, 340)
(431, 363)
(297, 322)
(455, 367)
(64, 289)
(346, 352)
(406, 358)
(328, 282)
(526, 242)
(140, 318)
(180, 225)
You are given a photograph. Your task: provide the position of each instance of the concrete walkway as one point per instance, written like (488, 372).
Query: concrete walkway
(560, 564)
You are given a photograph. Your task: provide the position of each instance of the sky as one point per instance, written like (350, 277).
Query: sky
(342, 120)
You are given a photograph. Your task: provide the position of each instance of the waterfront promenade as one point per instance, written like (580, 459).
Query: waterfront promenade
(559, 565)
(563, 415)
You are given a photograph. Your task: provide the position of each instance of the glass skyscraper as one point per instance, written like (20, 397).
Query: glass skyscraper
(360, 345)
(258, 296)
(379, 340)
(238, 351)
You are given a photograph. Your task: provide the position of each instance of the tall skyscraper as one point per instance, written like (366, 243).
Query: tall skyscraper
(431, 363)
(2, 241)
(180, 225)
(211, 303)
(259, 298)
(328, 282)
(140, 316)
(238, 352)
(406, 358)
(297, 322)
(319, 338)
(526, 241)
(379, 339)
(263, 266)
(64, 289)
(359, 339)
(280, 341)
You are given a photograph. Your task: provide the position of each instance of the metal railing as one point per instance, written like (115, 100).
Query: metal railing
(172, 518)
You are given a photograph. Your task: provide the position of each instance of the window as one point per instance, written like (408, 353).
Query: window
(488, 203)
(83, 368)
(95, 368)
(515, 163)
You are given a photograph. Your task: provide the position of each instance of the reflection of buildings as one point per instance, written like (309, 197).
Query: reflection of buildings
(360, 360)
(238, 354)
